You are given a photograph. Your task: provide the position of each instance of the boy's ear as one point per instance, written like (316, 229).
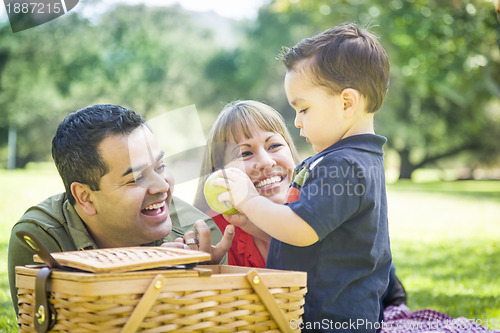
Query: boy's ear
(83, 196)
(350, 98)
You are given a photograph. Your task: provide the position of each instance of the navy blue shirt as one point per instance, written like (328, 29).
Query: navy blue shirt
(340, 192)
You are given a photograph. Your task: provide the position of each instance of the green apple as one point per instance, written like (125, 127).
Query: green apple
(212, 192)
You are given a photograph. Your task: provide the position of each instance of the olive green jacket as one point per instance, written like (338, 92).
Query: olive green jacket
(56, 224)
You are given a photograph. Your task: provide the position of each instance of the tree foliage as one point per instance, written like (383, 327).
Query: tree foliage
(444, 69)
(150, 65)
(442, 101)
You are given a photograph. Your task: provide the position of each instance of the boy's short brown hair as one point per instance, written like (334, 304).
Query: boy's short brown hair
(343, 57)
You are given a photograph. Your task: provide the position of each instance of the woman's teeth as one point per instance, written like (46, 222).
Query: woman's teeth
(155, 206)
(268, 182)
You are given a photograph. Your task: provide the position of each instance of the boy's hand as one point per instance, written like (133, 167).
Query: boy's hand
(240, 187)
(238, 220)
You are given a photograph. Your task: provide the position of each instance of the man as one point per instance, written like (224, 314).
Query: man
(118, 193)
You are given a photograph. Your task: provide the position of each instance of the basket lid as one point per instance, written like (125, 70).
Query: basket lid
(127, 258)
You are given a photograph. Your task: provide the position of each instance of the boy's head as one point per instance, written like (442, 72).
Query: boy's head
(343, 57)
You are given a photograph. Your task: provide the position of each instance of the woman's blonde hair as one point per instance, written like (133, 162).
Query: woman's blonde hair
(236, 120)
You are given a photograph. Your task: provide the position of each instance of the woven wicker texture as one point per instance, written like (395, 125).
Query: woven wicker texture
(207, 311)
(127, 259)
(183, 305)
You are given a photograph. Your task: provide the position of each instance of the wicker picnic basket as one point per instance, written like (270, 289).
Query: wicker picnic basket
(123, 290)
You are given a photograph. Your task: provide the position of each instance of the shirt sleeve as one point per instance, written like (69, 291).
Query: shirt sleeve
(331, 194)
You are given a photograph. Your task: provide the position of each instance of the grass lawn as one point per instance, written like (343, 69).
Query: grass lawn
(445, 241)
(445, 244)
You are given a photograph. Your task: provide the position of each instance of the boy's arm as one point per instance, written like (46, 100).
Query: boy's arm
(279, 221)
(244, 223)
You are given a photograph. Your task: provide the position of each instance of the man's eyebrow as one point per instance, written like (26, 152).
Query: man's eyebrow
(142, 166)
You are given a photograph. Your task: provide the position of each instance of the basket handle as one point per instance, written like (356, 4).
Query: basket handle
(260, 289)
(146, 302)
(149, 298)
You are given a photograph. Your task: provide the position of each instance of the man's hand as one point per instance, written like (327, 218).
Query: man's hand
(190, 241)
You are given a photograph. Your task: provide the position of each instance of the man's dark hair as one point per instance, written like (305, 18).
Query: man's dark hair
(343, 57)
(75, 146)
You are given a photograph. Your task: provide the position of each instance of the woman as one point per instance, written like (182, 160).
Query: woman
(252, 137)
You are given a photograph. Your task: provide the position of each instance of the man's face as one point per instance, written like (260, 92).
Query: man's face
(133, 203)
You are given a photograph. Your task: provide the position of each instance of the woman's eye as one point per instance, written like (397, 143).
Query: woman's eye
(161, 168)
(275, 146)
(244, 154)
(303, 110)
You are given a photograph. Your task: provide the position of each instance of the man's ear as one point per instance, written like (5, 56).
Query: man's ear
(83, 196)
(350, 97)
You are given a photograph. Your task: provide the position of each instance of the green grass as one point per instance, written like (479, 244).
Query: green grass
(445, 245)
(444, 238)
(19, 190)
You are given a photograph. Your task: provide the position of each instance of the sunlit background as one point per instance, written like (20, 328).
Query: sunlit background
(441, 115)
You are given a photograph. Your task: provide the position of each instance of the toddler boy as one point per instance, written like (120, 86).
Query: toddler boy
(334, 224)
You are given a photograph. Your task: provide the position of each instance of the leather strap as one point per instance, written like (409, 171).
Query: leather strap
(45, 314)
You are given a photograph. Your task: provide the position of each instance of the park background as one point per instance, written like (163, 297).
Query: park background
(441, 115)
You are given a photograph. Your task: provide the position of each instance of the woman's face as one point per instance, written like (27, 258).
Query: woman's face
(266, 158)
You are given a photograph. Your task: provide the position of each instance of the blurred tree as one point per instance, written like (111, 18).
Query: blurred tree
(156, 63)
(251, 70)
(444, 69)
(146, 58)
(444, 75)
(35, 89)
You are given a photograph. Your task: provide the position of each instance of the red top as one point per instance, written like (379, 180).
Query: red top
(243, 251)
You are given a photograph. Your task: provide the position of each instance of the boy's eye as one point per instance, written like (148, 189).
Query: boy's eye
(303, 110)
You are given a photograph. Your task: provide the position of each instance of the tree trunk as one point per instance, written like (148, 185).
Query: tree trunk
(11, 155)
(406, 168)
